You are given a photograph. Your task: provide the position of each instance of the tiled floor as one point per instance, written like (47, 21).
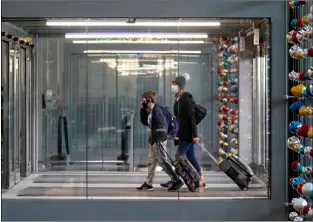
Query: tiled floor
(121, 185)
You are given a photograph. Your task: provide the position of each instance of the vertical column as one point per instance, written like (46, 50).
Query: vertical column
(300, 111)
(228, 68)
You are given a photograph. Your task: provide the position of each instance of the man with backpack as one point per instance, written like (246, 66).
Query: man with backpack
(159, 127)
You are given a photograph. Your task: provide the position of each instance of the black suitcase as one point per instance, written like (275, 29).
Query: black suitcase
(186, 171)
(235, 168)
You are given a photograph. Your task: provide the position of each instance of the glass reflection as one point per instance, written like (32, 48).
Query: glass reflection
(94, 143)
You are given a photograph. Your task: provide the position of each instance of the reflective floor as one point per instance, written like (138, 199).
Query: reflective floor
(121, 185)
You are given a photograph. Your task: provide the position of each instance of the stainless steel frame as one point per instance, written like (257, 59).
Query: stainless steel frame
(17, 111)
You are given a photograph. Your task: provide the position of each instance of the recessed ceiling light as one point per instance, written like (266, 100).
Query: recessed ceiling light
(136, 35)
(142, 52)
(178, 23)
(138, 42)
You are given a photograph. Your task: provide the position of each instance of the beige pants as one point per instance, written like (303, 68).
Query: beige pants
(157, 156)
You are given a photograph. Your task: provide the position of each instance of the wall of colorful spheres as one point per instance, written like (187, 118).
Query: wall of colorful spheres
(228, 69)
(301, 100)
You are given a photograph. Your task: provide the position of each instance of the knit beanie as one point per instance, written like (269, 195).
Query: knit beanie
(181, 80)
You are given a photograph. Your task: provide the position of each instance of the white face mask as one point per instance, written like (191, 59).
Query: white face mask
(174, 89)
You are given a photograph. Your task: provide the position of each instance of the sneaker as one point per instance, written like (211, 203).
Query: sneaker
(176, 186)
(166, 185)
(145, 186)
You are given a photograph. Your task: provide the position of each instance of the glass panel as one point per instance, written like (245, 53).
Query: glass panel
(65, 119)
(96, 76)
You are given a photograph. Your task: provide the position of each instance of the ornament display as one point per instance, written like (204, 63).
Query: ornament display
(302, 170)
(301, 76)
(227, 70)
(301, 90)
(297, 3)
(301, 22)
(300, 109)
(302, 130)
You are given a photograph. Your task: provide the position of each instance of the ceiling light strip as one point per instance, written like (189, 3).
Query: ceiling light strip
(137, 35)
(137, 42)
(76, 23)
(141, 52)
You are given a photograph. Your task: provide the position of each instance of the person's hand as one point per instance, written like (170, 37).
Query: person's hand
(141, 105)
(196, 139)
(176, 138)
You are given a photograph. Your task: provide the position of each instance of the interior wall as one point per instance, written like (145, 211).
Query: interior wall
(272, 209)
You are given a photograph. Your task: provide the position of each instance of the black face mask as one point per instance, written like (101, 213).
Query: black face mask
(145, 105)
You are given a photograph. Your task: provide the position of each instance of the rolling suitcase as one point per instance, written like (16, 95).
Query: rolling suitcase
(235, 168)
(186, 171)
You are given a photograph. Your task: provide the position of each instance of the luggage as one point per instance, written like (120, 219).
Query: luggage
(235, 168)
(186, 171)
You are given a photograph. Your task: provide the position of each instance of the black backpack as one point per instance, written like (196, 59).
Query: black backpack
(200, 111)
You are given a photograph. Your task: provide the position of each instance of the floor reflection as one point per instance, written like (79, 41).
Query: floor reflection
(121, 185)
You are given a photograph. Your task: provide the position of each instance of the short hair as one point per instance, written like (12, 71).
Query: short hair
(150, 94)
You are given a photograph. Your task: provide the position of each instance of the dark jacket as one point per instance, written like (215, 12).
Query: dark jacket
(158, 123)
(184, 110)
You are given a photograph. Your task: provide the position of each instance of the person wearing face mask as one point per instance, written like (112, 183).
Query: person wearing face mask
(151, 114)
(184, 110)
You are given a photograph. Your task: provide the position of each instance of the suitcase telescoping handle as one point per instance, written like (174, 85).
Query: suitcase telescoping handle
(167, 154)
(201, 145)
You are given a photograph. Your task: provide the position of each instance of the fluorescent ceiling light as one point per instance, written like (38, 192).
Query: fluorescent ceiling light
(136, 35)
(141, 52)
(178, 23)
(137, 42)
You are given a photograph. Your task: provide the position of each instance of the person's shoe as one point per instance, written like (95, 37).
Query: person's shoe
(176, 186)
(145, 186)
(167, 185)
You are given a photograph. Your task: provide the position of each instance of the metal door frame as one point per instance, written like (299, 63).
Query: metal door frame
(17, 130)
(21, 156)
(7, 170)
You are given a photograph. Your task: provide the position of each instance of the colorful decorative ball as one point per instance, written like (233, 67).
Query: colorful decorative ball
(301, 169)
(305, 111)
(307, 150)
(293, 23)
(294, 126)
(295, 165)
(296, 106)
(293, 215)
(291, 180)
(299, 203)
(305, 209)
(299, 187)
(303, 130)
(307, 188)
(301, 150)
(297, 147)
(296, 181)
(291, 141)
(298, 90)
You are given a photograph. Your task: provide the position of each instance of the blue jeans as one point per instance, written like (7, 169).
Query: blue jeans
(188, 150)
